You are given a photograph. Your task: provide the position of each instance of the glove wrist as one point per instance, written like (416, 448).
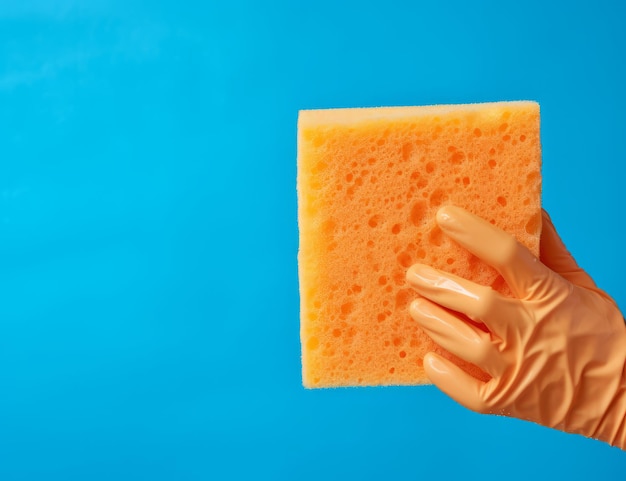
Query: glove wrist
(612, 429)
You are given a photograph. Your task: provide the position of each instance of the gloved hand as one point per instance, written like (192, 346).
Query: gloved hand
(556, 352)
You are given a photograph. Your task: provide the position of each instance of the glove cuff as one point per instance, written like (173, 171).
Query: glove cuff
(612, 428)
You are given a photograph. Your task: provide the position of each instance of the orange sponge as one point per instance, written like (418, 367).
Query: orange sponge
(369, 184)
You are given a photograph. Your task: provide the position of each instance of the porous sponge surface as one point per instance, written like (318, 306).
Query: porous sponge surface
(370, 182)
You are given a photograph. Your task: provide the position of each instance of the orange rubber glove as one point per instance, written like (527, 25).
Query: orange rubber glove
(556, 352)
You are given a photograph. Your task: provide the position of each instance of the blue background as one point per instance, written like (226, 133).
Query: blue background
(149, 324)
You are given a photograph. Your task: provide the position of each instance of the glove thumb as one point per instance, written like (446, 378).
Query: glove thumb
(554, 254)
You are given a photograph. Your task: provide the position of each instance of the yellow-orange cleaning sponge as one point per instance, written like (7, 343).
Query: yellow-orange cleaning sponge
(369, 184)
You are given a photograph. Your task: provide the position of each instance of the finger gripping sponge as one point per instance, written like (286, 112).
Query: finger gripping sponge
(370, 182)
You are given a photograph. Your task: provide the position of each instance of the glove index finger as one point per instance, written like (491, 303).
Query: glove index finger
(519, 267)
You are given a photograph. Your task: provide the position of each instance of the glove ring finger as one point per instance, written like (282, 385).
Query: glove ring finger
(458, 337)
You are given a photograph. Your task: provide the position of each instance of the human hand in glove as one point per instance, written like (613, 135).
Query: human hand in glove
(556, 351)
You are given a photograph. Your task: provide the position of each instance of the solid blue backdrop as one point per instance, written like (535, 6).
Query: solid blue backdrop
(149, 324)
